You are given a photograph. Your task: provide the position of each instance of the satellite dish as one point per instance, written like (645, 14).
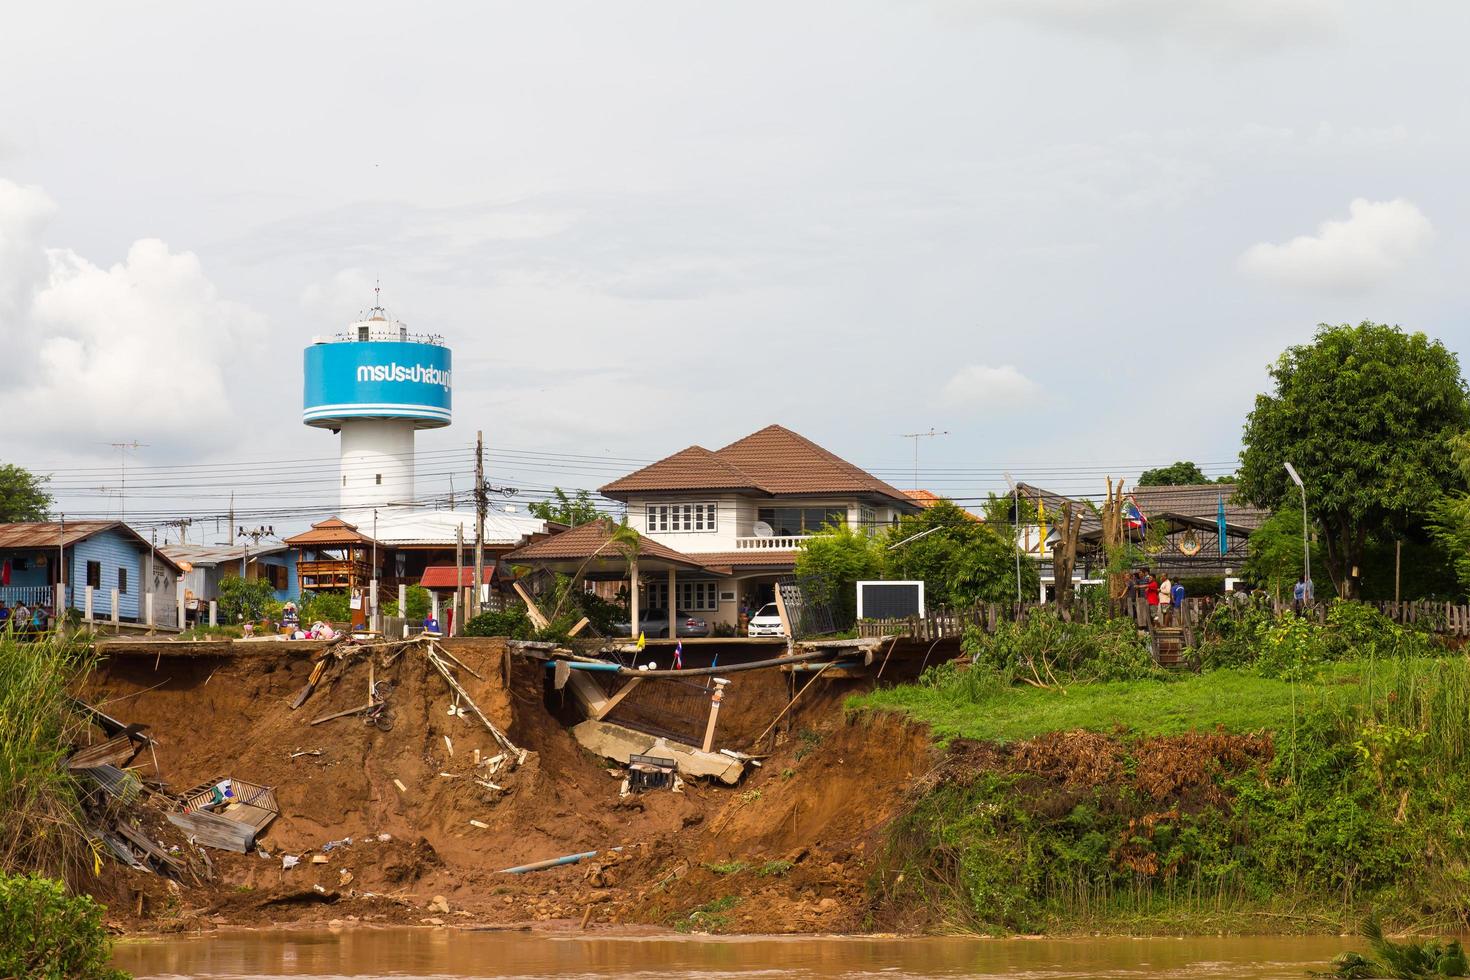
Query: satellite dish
(762, 530)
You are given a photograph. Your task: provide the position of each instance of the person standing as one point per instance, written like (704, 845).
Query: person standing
(1166, 600)
(1301, 595)
(1177, 595)
(1151, 592)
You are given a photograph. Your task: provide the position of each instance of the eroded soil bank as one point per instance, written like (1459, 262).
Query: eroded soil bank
(790, 849)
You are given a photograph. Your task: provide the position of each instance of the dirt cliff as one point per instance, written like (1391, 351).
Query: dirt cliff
(788, 850)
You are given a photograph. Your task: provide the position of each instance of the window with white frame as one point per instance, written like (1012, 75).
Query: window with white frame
(667, 518)
(693, 596)
(868, 520)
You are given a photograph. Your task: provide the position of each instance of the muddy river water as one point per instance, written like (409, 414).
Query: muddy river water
(442, 954)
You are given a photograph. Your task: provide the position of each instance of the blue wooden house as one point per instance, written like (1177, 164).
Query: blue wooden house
(108, 556)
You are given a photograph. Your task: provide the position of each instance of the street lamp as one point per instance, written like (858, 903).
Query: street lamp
(1306, 549)
(1016, 529)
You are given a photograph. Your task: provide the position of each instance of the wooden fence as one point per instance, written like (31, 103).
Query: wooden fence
(1446, 618)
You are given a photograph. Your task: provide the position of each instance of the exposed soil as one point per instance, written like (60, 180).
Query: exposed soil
(787, 851)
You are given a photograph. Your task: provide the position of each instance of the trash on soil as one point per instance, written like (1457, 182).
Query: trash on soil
(480, 823)
(289, 861)
(329, 845)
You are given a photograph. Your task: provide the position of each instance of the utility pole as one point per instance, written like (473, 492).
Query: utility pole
(916, 436)
(253, 535)
(482, 504)
(1016, 532)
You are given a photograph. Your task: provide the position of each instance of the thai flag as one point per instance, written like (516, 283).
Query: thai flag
(679, 655)
(1136, 520)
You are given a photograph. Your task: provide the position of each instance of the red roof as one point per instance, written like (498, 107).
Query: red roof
(442, 576)
(774, 461)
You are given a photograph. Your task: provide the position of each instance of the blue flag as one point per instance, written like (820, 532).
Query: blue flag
(1220, 524)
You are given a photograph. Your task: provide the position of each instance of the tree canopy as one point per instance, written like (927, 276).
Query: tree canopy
(563, 509)
(1364, 413)
(1182, 473)
(23, 495)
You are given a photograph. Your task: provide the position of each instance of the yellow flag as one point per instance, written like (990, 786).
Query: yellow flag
(1041, 519)
(641, 641)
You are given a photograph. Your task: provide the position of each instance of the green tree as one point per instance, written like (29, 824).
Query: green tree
(831, 562)
(245, 600)
(23, 495)
(419, 603)
(562, 509)
(1275, 559)
(1182, 473)
(1364, 413)
(959, 559)
(1449, 516)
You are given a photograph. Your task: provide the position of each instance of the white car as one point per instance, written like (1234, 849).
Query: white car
(766, 622)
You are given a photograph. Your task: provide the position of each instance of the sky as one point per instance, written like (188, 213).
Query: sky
(1070, 235)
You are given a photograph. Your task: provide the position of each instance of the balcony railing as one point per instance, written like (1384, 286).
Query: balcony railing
(780, 542)
(30, 595)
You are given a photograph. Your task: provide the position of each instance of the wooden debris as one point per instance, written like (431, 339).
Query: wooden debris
(480, 823)
(401, 788)
(319, 859)
(457, 688)
(449, 745)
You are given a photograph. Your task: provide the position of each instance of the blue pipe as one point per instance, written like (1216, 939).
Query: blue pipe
(551, 863)
(583, 665)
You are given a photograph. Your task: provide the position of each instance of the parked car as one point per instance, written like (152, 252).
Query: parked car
(655, 623)
(766, 622)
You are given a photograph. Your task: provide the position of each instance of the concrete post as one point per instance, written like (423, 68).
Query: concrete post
(116, 612)
(633, 598)
(434, 606)
(454, 612)
(403, 607)
(59, 605)
(372, 620)
(87, 605)
(179, 611)
(213, 612)
(148, 611)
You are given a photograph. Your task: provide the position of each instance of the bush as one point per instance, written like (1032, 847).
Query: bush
(1042, 645)
(44, 933)
(245, 600)
(419, 603)
(333, 607)
(512, 622)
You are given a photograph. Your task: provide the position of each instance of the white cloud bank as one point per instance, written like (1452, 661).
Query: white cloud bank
(1242, 25)
(982, 385)
(143, 348)
(1377, 240)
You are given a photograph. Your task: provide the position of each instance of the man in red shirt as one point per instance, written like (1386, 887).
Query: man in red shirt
(1151, 591)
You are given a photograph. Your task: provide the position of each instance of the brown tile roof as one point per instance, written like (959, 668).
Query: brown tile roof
(775, 461)
(928, 498)
(332, 531)
(585, 540)
(749, 559)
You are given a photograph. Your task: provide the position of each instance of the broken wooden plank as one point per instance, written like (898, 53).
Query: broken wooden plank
(350, 711)
(118, 751)
(501, 737)
(538, 618)
(143, 843)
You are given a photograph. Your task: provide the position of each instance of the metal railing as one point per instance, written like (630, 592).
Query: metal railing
(781, 542)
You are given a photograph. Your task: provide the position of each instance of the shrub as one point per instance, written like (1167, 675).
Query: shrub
(419, 603)
(245, 599)
(1105, 650)
(333, 607)
(44, 933)
(512, 622)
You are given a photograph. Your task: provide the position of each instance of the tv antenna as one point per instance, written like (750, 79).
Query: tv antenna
(122, 455)
(916, 436)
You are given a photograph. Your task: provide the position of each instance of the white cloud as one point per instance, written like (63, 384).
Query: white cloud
(983, 385)
(139, 349)
(1377, 240)
(1252, 25)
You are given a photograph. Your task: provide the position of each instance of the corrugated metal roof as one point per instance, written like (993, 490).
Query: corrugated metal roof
(205, 554)
(52, 534)
(439, 527)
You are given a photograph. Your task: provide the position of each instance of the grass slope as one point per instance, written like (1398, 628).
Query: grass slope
(981, 708)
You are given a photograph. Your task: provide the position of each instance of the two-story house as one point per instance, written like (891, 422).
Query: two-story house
(725, 524)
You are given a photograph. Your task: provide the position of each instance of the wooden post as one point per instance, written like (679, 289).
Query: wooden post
(714, 712)
(1398, 549)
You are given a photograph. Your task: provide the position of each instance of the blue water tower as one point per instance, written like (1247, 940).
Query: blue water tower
(376, 385)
